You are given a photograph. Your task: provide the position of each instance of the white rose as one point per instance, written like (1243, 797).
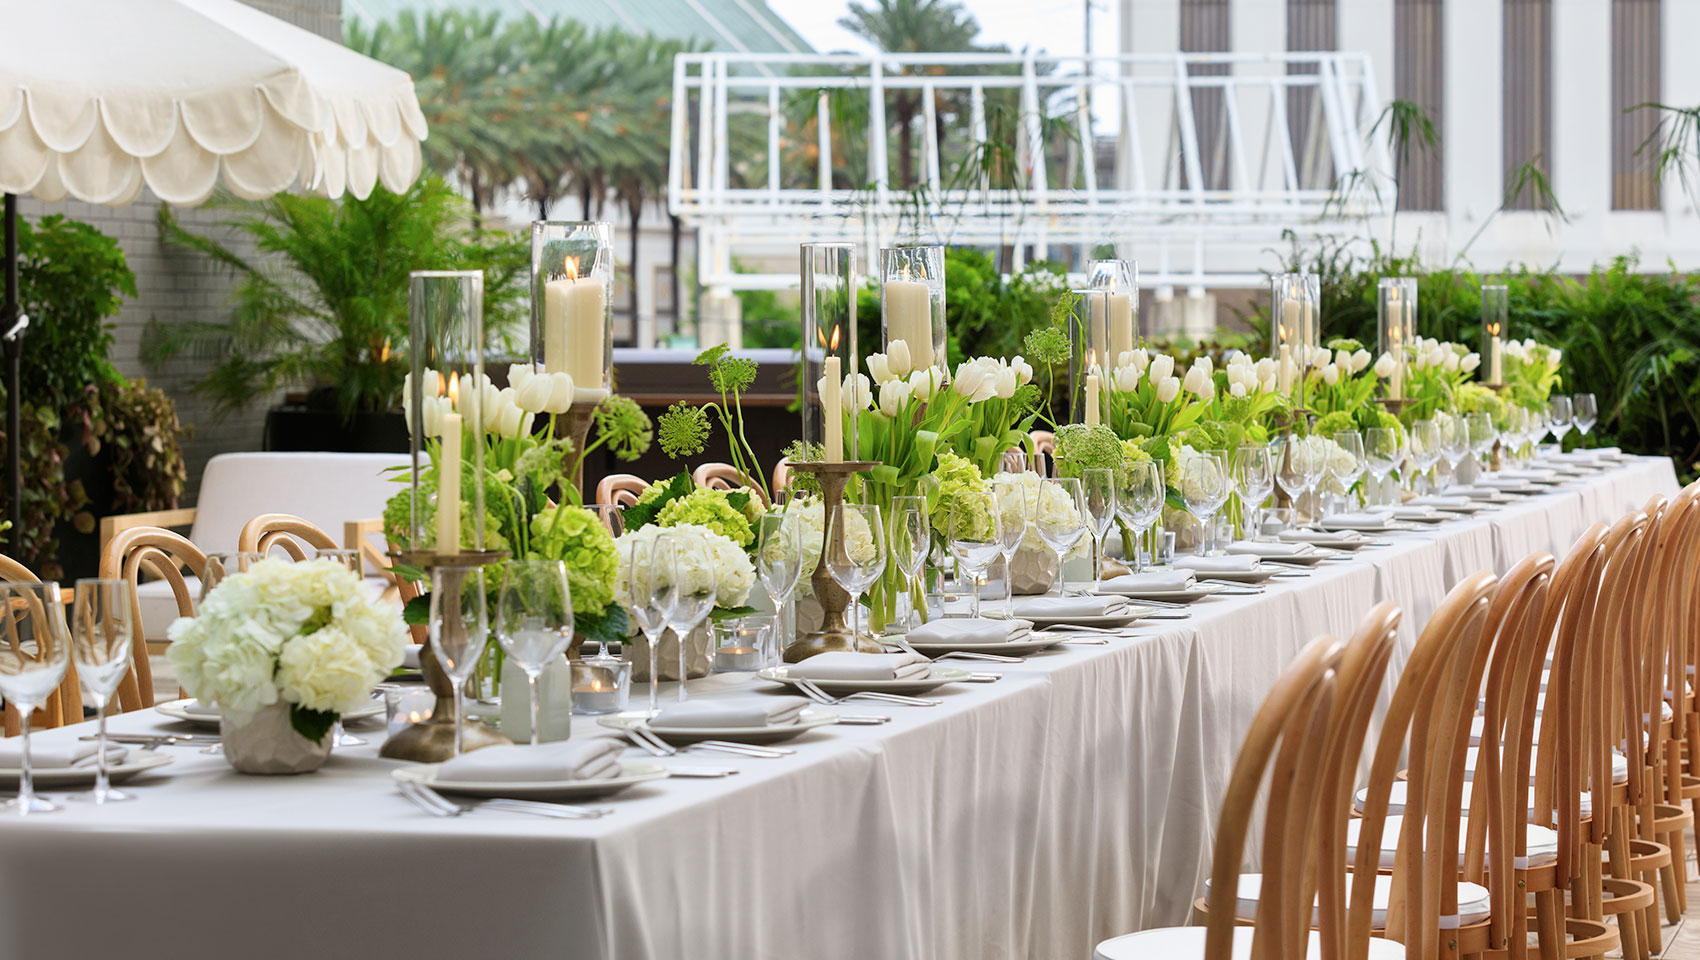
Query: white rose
(1384, 366)
(924, 383)
(1168, 388)
(898, 359)
(1161, 368)
(893, 395)
(879, 367)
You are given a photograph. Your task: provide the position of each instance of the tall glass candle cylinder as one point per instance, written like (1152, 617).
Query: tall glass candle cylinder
(1312, 332)
(1395, 326)
(912, 304)
(1496, 312)
(1089, 338)
(1293, 328)
(446, 395)
(829, 354)
(1120, 279)
(572, 303)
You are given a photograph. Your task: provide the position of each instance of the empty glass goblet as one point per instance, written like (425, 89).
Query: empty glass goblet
(100, 631)
(1098, 495)
(1254, 480)
(693, 596)
(971, 520)
(649, 599)
(780, 564)
(1348, 465)
(460, 629)
(1139, 501)
(1585, 412)
(855, 554)
(1060, 515)
(534, 621)
(1383, 453)
(1010, 498)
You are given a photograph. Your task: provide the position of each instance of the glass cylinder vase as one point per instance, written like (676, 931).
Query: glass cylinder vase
(1089, 343)
(1395, 327)
(829, 354)
(572, 303)
(912, 305)
(447, 393)
(1496, 314)
(1119, 279)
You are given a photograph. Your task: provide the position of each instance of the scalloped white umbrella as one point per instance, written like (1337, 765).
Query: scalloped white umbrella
(101, 97)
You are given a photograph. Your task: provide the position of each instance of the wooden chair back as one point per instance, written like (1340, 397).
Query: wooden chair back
(724, 476)
(293, 535)
(781, 477)
(165, 555)
(1286, 740)
(620, 489)
(1044, 445)
(1570, 721)
(65, 705)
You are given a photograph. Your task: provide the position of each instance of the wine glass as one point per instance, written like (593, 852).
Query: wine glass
(1098, 495)
(221, 565)
(1482, 435)
(1014, 461)
(1010, 499)
(33, 656)
(971, 524)
(855, 554)
(1383, 453)
(460, 629)
(1298, 465)
(1348, 468)
(534, 621)
(649, 599)
(1584, 412)
(1454, 441)
(1060, 528)
(779, 565)
(1139, 500)
(1560, 412)
(911, 539)
(1425, 447)
(100, 647)
(693, 595)
(1204, 488)
(1254, 478)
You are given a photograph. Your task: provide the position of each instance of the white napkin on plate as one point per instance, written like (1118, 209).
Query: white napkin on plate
(1403, 511)
(1236, 563)
(1153, 581)
(731, 712)
(1050, 608)
(1356, 521)
(53, 755)
(1319, 536)
(843, 665)
(410, 656)
(1528, 474)
(1439, 500)
(596, 758)
(1264, 548)
(969, 630)
(196, 708)
(1474, 491)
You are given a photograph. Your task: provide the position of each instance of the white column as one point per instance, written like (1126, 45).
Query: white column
(1151, 26)
(1580, 164)
(1366, 26)
(1258, 26)
(1680, 85)
(1473, 136)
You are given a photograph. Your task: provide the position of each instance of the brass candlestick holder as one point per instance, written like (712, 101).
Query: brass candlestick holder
(579, 416)
(1394, 406)
(834, 634)
(433, 740)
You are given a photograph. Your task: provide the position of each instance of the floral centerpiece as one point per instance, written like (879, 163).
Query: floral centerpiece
(1434, 373)
(706, 562)
(284, 649)
(1531, 373)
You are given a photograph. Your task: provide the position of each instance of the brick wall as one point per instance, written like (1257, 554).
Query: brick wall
(174, 285)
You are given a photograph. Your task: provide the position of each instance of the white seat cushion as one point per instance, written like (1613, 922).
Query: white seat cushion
(325, 489)
(1619, 765)
(1542, 842)
(1396, 798)
(1473, 903)
(1480, 721)
(1171, 942)
(159, 605)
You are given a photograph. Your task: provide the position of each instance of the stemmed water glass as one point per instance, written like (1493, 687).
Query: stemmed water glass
(1014, 461)
(33, 656)
(1010, 498)
(460, 629)
(100, 647)
(1204, 488)
(1560, 412)
(221, 565)
(1454, 441)
(1348, 468)
(855, 554)
(649, 599)
(1425, 448)
(779, 565)
(534, 621)
(1298, 465)
(1254, 478)
(1098, 495)
(1482, 436)
(1139, 501)
(1060, 529)
(971, 524)
(1383, 453)
(1585, 412)
(693, 597)
(911, 540)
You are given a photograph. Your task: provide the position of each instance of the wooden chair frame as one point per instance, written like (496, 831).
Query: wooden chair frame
(165, 554)
(65, 705)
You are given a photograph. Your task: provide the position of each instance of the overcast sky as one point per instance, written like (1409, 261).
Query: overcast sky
(1058, 26)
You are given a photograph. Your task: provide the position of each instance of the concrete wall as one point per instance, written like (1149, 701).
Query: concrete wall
(173, 285)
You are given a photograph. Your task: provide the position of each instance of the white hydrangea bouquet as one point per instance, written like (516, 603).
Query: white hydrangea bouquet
(308, 634)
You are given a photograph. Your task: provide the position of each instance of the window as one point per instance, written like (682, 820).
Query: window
(1204, 28)
(1635, 65)
(1310, 26)
(1419, 32)
(1526, 86)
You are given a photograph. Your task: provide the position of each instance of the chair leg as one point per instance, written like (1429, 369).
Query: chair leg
(1631, 927)
(1678, 871)
(1549, 917)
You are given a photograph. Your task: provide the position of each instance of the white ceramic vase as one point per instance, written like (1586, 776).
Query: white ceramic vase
(268, 744)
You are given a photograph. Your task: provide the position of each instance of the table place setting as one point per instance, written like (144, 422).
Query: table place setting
(566, 770)
(1278, 552)
(1347, 541)
(1449, 503)
(1173, 586)
(1230, 569)
(1045, 611)
(1362, 522)
(740, 719)
(842, 674)
(988, 637)
(1411, 513)
(57, 765)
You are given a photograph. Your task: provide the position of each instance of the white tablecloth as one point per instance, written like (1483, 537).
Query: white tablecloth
(1072, 800)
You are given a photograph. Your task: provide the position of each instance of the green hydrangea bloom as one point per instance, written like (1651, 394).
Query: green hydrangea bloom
(754, 509)
(960, 488)
(712, 509)
(1329, 424)
(396, 518)
(583, 543)
(1133, 452)
(1081, 448)
(655, 490)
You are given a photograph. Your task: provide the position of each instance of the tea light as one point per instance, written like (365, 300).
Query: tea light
(601, 685)
(734, 659)
(410, 707)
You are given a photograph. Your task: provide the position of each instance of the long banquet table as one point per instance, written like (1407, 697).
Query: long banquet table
(1072, 800)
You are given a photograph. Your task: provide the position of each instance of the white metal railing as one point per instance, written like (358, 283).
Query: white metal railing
(747, 171)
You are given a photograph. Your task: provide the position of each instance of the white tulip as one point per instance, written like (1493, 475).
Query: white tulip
(1343, 359)
(541, 392)
(898, 356)
(1198, 383)
(924, 383)
(893, 395)
(1266, 384)
(969, 377)
(1141, 358)
(1384, 366)
(879, 367)
(505, 418)
(1168, 388)
(1204, 362)
(1127, 379)
(1449, 363)
(1320, 357)
(1162, 366)
(1437, 356)
(1023, 370)
(1236, 390)
(1360, 360)
(1331, 374)
(1005, 382)
(1470, 362)
(858, 393)
(1265, 368)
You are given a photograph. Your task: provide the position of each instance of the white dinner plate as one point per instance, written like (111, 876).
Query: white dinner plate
(1031, 643)
(1134, 612)
(1389, 526)
(1258, 575)
(1309, 558)
(176, 711)
(938, 677)
(632, 772)
(810, 718)
(1196, 592)
(73, 778)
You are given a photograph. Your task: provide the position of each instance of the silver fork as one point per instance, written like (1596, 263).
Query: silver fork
(438, 805)
(957, 654)
(815, 693)
(656, 746)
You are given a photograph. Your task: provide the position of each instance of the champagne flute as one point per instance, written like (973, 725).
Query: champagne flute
(33, 656)
(649, 599)
(534, 621)
(1010, 498)
(911, 537)
(971, 520)
(1139, 500)
(219, 566)
(100, 647)
(1585, 412)
(1560, 412)
(460, 629)
(1382, 453)
(693, 596)
(779, 565)
(1204, 488)
(1254, 477)
(1063, 527)
(1098, 496)
(855, 554)
(1348, 468)
(1425, 448)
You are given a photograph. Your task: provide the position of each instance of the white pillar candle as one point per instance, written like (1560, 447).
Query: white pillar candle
(1284, 378)
(1092, 400)
(1121, 327)
(575, 328)
(832, 410)
(1292, 320)
(448, 487)
(909, 317)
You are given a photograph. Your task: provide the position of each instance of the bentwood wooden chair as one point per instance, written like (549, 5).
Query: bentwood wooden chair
(1044, 444)
(280, 531)
(781, 477)
(724, 476)
(166, 555)
(620, 489)
(65, 705)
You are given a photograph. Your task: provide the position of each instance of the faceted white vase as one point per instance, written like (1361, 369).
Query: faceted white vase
(267, 744)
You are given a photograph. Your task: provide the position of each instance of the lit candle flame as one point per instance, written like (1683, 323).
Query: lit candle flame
(833, 346)
(570, 265)
(454, 388)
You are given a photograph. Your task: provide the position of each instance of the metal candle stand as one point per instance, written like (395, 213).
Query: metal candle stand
(834, 633)
(579, 416)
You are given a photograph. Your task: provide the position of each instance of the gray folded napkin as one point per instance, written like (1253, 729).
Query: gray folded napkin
(969, 630)
(731, 712)
(596, 758)
(1237, 563)
(196, 708)
(52, 755)
(1319, 536)
(1154, 581)
(410, 656)
(1439, 500)
(1264, 548)
(861, 666)
(1054, 607)
(1356, 521)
